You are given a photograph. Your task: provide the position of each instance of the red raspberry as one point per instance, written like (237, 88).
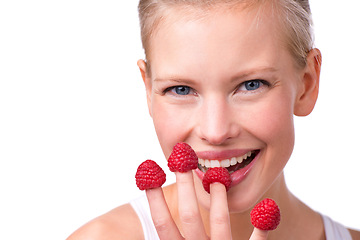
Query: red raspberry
(216, 174)
(183, 158)
(149, 175)
(266, 215)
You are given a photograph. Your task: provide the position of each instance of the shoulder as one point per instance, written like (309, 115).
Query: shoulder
(120, 223)
(354, 234)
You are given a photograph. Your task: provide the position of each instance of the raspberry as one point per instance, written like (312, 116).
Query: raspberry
(216, 174)
(149, 175)
(265, 215)
(183, 158)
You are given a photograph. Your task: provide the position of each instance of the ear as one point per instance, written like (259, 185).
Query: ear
(309, 86)
(147, 81)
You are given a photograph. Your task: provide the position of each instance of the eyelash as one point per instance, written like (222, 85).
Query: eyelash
(261, 82)
(169, 89)
(243, 84)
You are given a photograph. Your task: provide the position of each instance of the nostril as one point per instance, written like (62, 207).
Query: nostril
(216, 139)
(217, 121)
(220, 135)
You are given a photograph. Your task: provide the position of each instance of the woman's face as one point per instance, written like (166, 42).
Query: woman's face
(226, 85)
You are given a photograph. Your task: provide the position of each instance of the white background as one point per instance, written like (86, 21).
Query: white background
(74, 124)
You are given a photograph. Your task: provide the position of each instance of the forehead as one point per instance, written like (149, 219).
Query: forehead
(193, 39)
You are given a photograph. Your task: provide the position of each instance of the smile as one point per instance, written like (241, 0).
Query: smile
(232, 164)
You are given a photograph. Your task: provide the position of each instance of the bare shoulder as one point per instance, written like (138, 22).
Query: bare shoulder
(355, 234)
(120, 223)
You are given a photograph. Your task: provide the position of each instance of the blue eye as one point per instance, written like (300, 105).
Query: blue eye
(181, 90)
(252, 85)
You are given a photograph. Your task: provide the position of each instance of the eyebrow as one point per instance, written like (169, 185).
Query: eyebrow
(174, 79)
(254, 71)
(236, 77)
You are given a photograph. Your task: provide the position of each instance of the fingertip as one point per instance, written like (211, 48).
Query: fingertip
(259, 234)
(154, 194)
(184, 177)
(217, 187)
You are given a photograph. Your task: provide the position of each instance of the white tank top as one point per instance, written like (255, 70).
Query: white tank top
(333, 230)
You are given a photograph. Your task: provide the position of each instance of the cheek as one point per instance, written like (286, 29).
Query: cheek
(171, 124)
(272, 123)
(279, 137)
(278, 125)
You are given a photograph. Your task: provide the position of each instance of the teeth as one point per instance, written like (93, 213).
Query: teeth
(224, 163)
(207, 163)
(240, 159)
(215, 163)
(202, 162)
(233, 161)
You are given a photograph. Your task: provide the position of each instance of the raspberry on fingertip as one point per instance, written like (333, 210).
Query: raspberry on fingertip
(265, 215)
(182, 158)
(149, 175)
(216, 174)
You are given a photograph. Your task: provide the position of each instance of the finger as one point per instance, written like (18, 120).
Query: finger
(164, 224)
(219, 213)
(258, 234)
(192, 225)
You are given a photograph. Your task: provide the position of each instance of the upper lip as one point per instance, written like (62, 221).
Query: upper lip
(221, 155)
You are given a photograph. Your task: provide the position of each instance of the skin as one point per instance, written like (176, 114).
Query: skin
(213, 58)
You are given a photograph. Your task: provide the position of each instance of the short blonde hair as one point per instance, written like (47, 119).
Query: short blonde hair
(293, 15)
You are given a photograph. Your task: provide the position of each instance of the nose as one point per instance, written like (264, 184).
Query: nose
(217, 122)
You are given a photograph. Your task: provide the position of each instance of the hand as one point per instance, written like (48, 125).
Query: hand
(189, 213)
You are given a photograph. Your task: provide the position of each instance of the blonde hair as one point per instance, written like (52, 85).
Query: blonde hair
(293, 15)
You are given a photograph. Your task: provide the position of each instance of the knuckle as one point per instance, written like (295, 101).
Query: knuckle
(161, 224)
(220, 219)
(189, 217)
